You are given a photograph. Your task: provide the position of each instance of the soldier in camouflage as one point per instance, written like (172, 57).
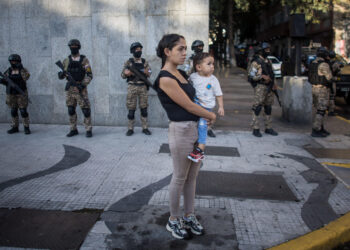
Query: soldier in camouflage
(197, 47)
(320, 76)
(79, 68)
(137, 89)
(14, 99)
(335, 67)
(261, 76)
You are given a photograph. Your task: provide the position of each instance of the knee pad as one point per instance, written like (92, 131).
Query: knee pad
(24, 112)
(86, 112)
(268, 109)
(71, 110)
(14, 112)
(131, 114)
(257, 110)
(321, 112)
(144, 112)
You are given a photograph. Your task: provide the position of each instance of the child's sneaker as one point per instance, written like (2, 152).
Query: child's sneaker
(192, 224)
(177, 229)
(196, 155)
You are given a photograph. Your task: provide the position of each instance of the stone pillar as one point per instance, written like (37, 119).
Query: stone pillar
(297, 100)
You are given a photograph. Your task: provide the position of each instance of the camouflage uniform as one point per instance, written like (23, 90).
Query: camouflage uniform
(137, 90)
(17, 101)
(73, 97)
(320, 93)
(262, 98)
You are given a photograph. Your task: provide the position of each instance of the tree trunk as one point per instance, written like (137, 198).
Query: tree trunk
(230, 33)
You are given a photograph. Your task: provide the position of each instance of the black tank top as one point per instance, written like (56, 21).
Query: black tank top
(174, 111)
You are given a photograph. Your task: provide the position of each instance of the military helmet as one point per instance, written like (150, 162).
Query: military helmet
(15, 57)
(265, 45)
(196, 43)
(135, 45)
(332, 54)
(322, 52)
(74, 42)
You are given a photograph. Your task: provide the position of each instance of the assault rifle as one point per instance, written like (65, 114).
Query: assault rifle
(140, 76)
(272, 83)
(270, 88)
(72, 82)
(13, 85)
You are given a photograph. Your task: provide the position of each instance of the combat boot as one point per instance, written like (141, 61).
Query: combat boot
(256, 132)
(317, 133)
(13, 130)
(324, 131)
(129, 132)
(72, 133)
(88, 134)
(27, 130)
(270, 131)
(211, 133)
(146, 131)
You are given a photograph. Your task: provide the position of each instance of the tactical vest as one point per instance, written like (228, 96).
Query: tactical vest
(314, 78)
(76, 68)
(139, 66)
(266, 69)
(17, 79)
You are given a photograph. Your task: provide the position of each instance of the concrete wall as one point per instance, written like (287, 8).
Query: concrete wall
(39, 31)
(297, 100)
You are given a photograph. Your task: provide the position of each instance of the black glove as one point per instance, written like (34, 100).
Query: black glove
(61, 75)
(3, 81)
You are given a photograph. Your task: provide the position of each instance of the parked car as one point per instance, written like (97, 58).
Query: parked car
(276, 66)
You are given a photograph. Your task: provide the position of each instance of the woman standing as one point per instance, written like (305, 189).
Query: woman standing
(177, 98)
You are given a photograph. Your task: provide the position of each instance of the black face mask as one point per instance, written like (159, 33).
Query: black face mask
(198, 50)
(137, 54)
(16, 65)
(266, 54)
(74, 51)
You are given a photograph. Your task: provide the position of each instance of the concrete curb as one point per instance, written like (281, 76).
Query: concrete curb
(334, 234)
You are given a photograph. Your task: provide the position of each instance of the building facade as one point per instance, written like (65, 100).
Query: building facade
(332, 30)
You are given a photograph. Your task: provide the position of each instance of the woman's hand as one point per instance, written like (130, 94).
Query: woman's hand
(212, 120)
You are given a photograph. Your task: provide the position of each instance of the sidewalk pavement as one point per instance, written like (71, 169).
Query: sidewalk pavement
(253, 193)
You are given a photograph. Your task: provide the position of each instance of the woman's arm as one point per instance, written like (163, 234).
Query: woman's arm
(173, 90)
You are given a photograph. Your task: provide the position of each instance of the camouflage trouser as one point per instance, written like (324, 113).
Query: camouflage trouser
(16, 102)
(262, 99)
(135, 93)
(320, 98)
(73, 97)
(331, 107)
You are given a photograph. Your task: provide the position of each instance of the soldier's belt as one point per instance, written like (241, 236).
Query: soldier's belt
(321, 84)
(137, 84)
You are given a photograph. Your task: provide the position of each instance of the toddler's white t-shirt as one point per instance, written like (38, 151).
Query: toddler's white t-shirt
(207, 88)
